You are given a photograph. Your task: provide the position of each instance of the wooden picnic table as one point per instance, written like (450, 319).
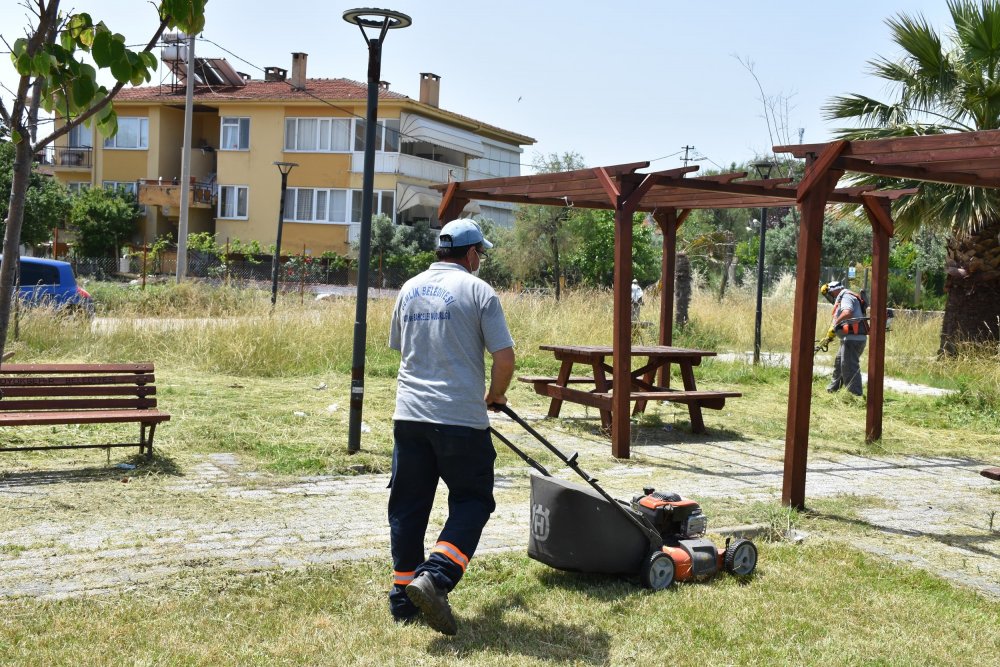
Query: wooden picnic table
(641, 387)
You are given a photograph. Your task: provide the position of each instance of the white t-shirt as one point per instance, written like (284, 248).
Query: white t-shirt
(444, 320)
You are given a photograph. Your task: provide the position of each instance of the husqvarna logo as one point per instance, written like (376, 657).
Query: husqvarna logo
(540, 522)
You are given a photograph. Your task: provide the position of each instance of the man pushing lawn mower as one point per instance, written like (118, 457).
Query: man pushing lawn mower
(443, 321)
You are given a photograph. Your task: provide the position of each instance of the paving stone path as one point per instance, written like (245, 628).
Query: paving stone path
(106, 532)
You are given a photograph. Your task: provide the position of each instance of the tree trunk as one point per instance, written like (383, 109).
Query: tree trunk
(972, 310)
(12, 233)
(683, 288)
(557, 268)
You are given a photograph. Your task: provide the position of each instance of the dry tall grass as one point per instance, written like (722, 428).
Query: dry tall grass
(235, 332)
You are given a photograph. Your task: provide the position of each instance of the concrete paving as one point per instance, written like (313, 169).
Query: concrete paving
(219, 517)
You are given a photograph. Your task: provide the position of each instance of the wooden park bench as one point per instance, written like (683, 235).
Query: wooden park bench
(50, 394)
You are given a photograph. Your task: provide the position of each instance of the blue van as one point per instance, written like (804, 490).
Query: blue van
(52, 283)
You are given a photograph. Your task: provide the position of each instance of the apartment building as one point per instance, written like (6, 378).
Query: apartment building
(242, 126)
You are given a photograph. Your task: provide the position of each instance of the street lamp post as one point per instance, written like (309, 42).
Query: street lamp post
(763, 170)
(284, 168)
(381, 20)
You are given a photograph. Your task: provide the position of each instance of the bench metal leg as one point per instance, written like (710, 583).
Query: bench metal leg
(146, 440)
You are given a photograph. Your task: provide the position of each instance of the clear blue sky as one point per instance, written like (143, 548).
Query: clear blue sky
(614, 82)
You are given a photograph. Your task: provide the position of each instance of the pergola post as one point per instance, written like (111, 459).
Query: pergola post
(820, 181)
(667, 221)
(622, 337)
(880, 214)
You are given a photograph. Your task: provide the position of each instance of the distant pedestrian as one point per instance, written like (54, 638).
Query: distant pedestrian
(636, 301)
(443, 321)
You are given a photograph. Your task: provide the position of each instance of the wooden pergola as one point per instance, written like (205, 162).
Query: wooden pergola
(971, 159)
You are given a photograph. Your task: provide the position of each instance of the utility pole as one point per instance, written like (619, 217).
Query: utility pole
(686, 159)
(182, 221)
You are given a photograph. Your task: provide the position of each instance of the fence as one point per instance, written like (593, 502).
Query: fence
(296, 272)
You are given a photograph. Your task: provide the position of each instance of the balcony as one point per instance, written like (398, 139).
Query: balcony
(411, 166)
(73, 157)
(167, 194)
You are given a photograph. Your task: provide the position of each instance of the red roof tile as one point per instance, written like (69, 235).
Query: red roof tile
(325, 90)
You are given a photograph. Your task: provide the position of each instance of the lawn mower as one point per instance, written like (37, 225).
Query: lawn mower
(659, 537)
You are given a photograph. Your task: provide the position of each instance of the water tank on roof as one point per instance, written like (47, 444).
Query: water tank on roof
(173, 53)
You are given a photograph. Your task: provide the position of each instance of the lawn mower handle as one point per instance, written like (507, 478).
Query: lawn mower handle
(655, 539)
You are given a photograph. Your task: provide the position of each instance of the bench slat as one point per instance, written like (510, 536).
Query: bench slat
(77, 404)
(79, 380)
(41, 369)
(134, 390)
(575, 379)
(676, 395)
(82, 417)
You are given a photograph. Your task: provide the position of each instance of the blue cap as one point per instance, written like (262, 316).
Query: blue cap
(462, 232)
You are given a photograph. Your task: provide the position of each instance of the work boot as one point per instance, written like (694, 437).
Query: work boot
(433, 602)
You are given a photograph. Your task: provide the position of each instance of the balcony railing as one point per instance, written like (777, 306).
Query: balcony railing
(167, 193)
(73, 156)
(412, 166)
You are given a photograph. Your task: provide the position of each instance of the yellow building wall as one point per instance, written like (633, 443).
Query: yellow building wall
(116, 164)
(315, 239)
(255, 169)
(122, 165)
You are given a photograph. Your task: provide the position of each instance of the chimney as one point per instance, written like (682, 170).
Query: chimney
(274, 74)
(299, 70)
(383, 85)
(430, 87)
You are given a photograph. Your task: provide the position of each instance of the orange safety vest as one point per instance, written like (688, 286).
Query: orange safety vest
(855, 327)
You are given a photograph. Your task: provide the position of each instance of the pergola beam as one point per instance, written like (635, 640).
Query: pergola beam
(914, 172)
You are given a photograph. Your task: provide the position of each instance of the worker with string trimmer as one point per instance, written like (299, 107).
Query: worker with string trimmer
(849, 323)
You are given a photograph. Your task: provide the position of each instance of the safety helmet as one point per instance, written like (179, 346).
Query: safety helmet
(831, 290)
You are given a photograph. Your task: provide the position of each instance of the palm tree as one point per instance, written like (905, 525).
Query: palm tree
(943, 86)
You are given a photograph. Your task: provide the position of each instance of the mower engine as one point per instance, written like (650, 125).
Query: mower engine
(671, 515)
(682, 525)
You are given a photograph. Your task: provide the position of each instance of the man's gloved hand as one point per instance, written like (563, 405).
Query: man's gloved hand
(830, 335)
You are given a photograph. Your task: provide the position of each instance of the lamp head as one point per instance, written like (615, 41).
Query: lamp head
(763, 168)
(285, 167)
(380, 19)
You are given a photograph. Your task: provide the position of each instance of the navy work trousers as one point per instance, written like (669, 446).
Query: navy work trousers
(423, 453)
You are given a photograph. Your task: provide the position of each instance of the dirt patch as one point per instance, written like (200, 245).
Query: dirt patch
(101, 530)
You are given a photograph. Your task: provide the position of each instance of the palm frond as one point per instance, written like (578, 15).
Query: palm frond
(977, 30)
(867, 111)
(919, 41)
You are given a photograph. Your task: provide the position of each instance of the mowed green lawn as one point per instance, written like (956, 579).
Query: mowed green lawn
(273, 389)
(815, 604)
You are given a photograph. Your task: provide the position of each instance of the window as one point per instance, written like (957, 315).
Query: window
(123, 186)
(330, 206)
(383, 201)
(79, 137)
(235, 134)
(76, 187)
(386, 135)
(133, 133)
(38, 274)
(322, 135)
(233, 201)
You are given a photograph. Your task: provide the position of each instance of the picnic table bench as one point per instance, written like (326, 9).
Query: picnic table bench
(640, 382)
(44, 394)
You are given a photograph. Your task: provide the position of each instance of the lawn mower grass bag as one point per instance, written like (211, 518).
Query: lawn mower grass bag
(574, 529)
